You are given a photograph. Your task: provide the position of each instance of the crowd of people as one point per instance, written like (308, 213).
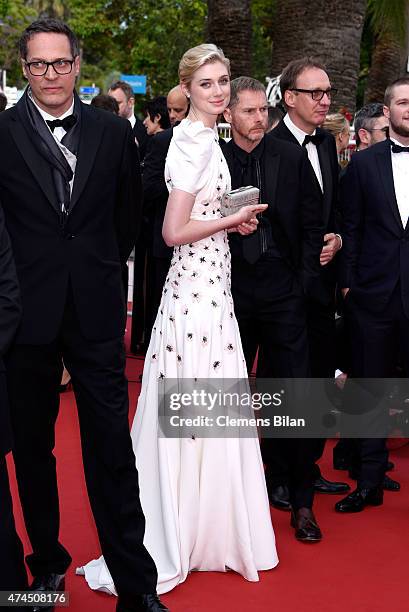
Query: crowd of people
(214, 296)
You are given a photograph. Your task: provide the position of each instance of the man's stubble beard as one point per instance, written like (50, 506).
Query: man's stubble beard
(399, 129)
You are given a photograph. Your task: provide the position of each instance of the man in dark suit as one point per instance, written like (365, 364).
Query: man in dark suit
(71, 195)
(307, 92)
(13, 574)
(271, 270)
(122, 92)
(374, 273)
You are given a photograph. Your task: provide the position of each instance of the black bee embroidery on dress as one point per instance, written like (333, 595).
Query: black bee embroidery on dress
(190, 245)
(175, 295)
(153, 357)
(211, 281)
(161, 311)
(204, 213)
(161, 376)
(179, 275)
(169, 348)
(172, 319)
(165, 291)
(214, 303)
(196, 296)
(183, 268)
(185, 311)
(194, 274)
(217, 250)
(189, 336)
(230, 347)
(219, 278)
(206, 247)
(202, 259)
(213, 264)
(204, 340)
(231, 315)
(221, 327)
(206, 204)
(216, 365)
(191, 253)
(212, 239)
(179, 358)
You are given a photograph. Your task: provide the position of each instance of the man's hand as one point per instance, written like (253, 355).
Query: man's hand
(344, 292)
(331, 246)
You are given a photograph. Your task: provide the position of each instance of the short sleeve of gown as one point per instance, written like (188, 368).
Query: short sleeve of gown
(187, 163)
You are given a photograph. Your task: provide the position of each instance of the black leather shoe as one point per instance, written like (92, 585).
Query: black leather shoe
(305, 525)
(322, 485)
(279, 497)
(358, 499)
(142, 603)
(390, 485)
(47, 582)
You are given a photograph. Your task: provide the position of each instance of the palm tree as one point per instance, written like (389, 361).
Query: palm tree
(229, 27)
(330, 31)
(389, 24)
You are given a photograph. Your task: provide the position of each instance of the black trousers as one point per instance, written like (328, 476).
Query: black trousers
(322, 346)
(270, 310)
(375, 341)
(13, 572)
(100, 386)
(160, 269)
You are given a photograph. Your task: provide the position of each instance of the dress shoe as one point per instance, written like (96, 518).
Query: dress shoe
(390, 485)
(279, 497)
(47, 583)
(305, 525)
(142, 603)
(358, 499)
(322, 485)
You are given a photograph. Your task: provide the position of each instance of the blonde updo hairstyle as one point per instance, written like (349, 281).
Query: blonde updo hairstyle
(197, 57)
(336, 123)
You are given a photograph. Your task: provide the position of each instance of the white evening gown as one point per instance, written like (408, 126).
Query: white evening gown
(205, 500)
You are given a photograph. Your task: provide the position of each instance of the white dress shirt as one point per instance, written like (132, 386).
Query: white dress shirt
(400, 169)
(311, 148)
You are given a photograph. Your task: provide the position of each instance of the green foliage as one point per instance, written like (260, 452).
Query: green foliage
(263, 12)
(16, 16)
(388, 16)
(137, 37)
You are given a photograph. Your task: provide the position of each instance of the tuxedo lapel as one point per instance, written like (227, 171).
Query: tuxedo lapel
(22, 134)
(90, 137)
(327, 179)
(384, 161)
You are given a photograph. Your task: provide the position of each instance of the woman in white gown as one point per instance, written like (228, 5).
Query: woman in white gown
(204, 500)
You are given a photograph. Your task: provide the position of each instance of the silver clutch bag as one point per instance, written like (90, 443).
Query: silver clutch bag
(237, 198)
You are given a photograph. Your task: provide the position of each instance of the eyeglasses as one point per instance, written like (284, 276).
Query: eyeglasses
(317, 94)
(385, 129)
(61, 66)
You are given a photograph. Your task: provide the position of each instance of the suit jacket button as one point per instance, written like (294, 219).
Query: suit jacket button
(71, 236)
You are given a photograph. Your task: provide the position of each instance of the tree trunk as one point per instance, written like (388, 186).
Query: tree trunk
(329, 31)
(229, 27)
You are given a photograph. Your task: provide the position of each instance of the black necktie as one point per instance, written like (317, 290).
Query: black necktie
(398, 149)
(315, 139)
(67, 123)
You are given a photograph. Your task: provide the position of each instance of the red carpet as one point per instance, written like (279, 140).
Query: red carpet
(360, 566)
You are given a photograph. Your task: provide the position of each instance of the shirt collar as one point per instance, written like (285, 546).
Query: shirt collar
(132, 120)
(46, 116)
(295, 130)
(243, 156)
(400, 144)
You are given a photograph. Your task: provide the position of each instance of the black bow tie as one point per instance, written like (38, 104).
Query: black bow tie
(67, 123)
(398, 149)
(315, 139)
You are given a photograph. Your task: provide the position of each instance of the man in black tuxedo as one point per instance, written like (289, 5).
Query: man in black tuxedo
(306, 92)
(271, 270)
(13, 574)
(374, 273)
(72, 196)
